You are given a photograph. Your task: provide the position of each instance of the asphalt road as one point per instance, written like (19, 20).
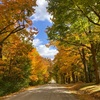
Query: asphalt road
(45, 92)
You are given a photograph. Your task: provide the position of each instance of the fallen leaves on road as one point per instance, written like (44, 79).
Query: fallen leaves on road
(85, 91)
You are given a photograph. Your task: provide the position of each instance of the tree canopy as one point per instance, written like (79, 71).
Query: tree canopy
(77, 23)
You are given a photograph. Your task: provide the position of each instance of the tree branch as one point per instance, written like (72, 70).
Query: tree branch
(2, 31)
(98, 24)
(13, 31)
(98, 14)
(75, 43)
(88, 17)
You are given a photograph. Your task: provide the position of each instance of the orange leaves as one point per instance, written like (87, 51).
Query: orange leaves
(39, 66)
(34, 78)
(67, 58)
(15, 16)
(15, 54)
(34, 56)
(29, 21)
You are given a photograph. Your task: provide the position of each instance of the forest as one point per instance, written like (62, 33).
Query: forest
(75, 33)
(20, 63)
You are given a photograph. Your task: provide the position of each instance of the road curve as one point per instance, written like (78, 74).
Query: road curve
(45, 92)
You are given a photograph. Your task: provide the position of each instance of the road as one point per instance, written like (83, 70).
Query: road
(45, 92)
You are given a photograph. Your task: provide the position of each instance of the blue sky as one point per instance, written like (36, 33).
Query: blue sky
(41, 19)
(41, 26)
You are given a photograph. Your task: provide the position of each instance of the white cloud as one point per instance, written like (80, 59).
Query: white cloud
(36, 42)
(41, 11)
(46, 52)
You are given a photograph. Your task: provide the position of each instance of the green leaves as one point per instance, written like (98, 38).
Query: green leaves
(76, 22)
(17, 65)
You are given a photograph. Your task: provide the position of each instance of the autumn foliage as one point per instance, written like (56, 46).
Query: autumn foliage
(39, 68)
(14, 17)
(16, 35)
(75, 33)
(77, 23)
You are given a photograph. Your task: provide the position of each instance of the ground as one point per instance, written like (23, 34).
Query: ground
(82, 91)
(85, 91)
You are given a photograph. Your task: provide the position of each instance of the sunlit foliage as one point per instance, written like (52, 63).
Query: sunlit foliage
(39, 68)
(77, 22)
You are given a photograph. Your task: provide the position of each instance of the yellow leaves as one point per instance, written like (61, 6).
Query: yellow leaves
(34, 57)
(63, 69)
(39, 67)
(2, 62)
(13, 12)
(96, 38)
(77, 37)
(46, 75)
(33, 53)
(15, 69)
(34, 78)
(2, 67)
(67, 58)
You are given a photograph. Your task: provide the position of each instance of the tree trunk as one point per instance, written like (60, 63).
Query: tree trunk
(85, 66)
(90, 75)
(73, 77)
(68, 80)
(56, 78)
(62, 78)
(0, 51)
(95, 65)
(77, 79)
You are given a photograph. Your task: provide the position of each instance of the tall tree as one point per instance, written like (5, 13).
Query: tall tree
(39, 68)
(76, 16)
(17, 65)
(14, 16)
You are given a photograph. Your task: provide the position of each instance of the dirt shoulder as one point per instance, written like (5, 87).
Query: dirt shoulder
(85, 91)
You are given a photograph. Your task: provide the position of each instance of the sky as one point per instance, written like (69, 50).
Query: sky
(41, 19)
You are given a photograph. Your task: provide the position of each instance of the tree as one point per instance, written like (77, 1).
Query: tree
(68, 65)
(74, 16)
(17, 65)
(39, 68)
(15, 16)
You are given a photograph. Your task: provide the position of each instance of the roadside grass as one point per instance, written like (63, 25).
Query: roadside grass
(12, 94)
(85, 91)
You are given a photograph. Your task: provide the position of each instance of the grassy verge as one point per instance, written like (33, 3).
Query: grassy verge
(20, 91)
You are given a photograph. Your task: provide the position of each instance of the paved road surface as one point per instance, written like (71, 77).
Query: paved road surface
(45, 92)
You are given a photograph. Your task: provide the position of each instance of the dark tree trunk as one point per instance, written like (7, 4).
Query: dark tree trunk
(69, 80)
(77, 79)
(56, 78)
(95, 65)
(0, 51)
(90, 75)
(81, 78)
(63, 78)
(85, 66)
(73, 77)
